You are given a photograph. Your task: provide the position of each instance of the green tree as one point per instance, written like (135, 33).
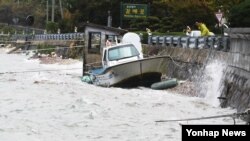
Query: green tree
(239, 15)
(165, 15)
(52, 27)
(13, 9)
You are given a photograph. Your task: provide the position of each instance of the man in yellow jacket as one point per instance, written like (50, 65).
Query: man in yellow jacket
(203, 28)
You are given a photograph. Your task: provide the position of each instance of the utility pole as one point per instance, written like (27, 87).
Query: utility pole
(47, 11)
(61, 8)
(109, 23)
(53, 11)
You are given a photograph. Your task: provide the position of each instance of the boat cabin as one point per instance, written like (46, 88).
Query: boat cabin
(119, 54)
(96, 37)
(128, 50)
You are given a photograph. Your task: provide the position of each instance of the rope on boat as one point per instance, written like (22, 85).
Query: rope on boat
(181, 66)
(234, 115)
(172, 59)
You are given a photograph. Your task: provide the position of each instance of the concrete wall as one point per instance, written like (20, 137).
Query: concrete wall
(187, 62)
(235, 84)
(236, 87)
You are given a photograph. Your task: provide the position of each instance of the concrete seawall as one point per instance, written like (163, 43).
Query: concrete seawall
(186, 62)
(235, 84)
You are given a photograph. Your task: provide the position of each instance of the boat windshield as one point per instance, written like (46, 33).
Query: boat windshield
(122, 52)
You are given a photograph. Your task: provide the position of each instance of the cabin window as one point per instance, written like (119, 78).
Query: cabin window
(94, 43)
(122, 52)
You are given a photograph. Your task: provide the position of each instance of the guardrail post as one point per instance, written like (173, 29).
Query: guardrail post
(150, 40)
(157, 40)
(192, 42)
(201, 42)
(184, 42)
(210, 42)
(218, 44)
(225, 43)
(164, 41)
(169, 41)
(176, 41)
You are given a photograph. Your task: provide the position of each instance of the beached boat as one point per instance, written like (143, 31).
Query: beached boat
(123, 65)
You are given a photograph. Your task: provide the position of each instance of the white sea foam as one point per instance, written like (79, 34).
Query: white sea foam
(210, 84)
(57, 106)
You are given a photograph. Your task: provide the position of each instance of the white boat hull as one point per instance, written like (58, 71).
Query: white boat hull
(143, 72)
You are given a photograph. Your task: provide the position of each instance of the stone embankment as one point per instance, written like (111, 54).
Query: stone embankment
(186, 62)
(235, 84)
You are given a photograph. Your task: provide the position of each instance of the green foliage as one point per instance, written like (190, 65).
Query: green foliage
(10, 9)
(167, 24)
(144, 35)
(7, 29)
(176, 15)
(66, 25)
(165, 15)
(187, 13)
(143, 23)
(52, 27)
(73, 52)
(239, 15)
(47, 48)
(168, 33)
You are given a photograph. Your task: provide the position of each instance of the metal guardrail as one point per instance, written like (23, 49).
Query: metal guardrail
(41, 37)
(215, 42)
(66, 36)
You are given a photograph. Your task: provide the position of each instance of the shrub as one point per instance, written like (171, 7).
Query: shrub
(52, 27)
(239, 15)
(45, 49)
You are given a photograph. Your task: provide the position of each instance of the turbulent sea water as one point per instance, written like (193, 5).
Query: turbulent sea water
(57, 106)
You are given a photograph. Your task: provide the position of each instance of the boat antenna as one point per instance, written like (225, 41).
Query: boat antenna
(116, 41)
